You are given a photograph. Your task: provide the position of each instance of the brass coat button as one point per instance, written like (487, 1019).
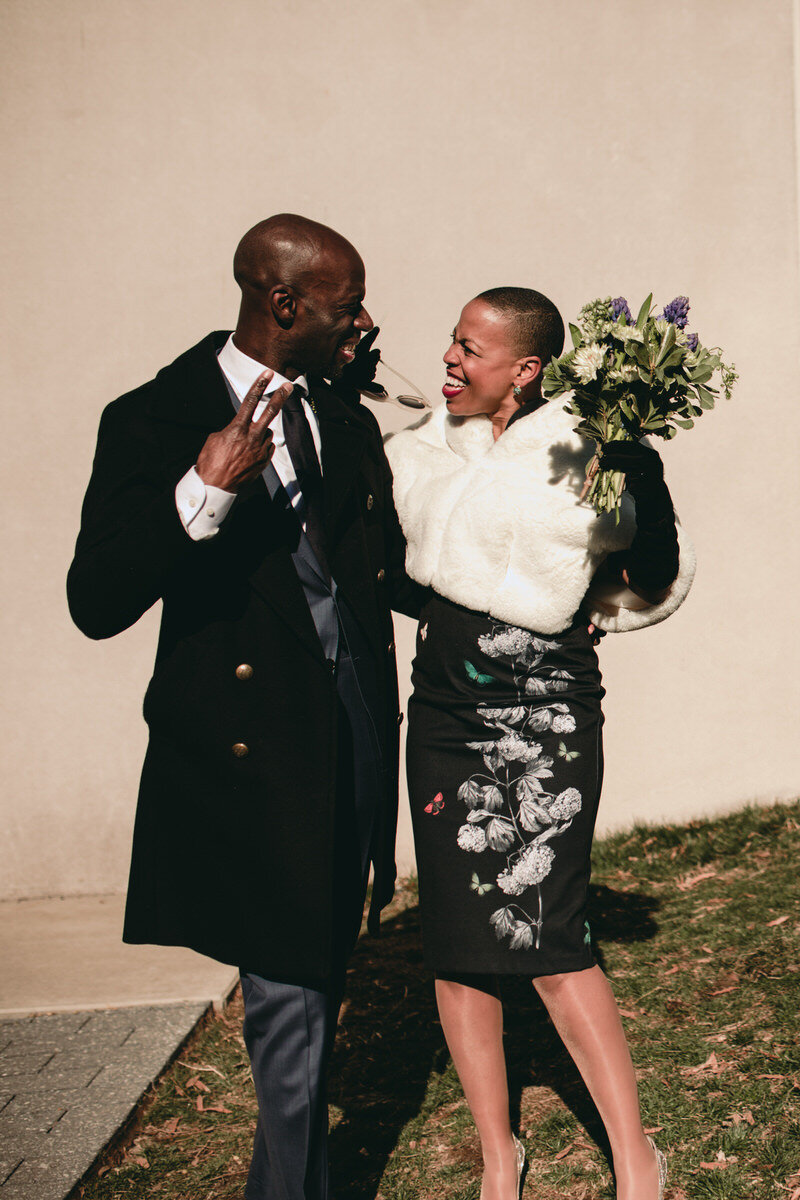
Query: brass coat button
(400, 718)
(390, 648)
(244, 671)
(381, 575)
(370, 500)
(240, 750)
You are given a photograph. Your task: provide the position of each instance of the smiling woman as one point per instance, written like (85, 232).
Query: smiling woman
(504, 742)
(490, 365)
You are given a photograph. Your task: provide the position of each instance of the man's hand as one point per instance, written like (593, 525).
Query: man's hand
(240, 451)
(360, 373)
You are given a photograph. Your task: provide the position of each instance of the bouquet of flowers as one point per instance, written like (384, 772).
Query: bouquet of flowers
(630, 378)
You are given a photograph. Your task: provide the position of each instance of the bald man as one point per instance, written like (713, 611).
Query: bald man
(253, 499)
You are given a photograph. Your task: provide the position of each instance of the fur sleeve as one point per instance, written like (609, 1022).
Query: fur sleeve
(616, 617)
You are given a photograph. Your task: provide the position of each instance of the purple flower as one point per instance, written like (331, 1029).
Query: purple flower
(619, 309)
(677, 312)
(691, 341)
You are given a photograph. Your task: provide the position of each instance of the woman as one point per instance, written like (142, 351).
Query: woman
(504, 742)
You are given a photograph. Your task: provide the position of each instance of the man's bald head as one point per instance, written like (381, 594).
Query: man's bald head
(302, 287)
(292, 250)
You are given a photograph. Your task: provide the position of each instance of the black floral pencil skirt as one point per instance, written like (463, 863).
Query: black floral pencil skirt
(505, 765)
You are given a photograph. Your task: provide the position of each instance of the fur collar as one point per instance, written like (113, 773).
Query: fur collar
(497, 526)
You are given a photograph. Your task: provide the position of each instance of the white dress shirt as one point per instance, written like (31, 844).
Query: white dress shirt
(202, 508)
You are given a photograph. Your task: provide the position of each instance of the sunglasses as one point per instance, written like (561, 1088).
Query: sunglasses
(375, 391)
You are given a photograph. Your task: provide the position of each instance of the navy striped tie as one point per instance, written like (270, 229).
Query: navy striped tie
(303, 453)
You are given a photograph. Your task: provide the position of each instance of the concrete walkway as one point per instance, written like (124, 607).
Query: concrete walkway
(86, 1025)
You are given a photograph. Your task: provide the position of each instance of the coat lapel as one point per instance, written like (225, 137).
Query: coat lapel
(343, 442)
(274, 576)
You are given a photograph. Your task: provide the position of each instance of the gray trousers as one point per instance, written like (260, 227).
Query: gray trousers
(289, 1026)
(289, 1031)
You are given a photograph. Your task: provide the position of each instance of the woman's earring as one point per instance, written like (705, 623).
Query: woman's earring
(517, 392)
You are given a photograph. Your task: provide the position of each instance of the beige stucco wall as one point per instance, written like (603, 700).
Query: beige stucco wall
(581, 148)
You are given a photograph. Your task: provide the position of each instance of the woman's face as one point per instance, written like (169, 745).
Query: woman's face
(482, 364)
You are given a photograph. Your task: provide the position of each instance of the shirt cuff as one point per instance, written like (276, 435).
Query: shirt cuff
(201, 507)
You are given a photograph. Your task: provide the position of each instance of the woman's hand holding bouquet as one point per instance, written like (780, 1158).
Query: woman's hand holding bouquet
(628, 379)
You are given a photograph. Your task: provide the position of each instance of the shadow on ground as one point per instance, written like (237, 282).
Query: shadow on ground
(390, 1042)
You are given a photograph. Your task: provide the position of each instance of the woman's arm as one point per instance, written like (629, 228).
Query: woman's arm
(650, 565)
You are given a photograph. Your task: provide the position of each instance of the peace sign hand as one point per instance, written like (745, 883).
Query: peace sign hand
(240, 451)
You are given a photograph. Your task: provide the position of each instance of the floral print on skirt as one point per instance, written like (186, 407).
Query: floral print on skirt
(504, 772)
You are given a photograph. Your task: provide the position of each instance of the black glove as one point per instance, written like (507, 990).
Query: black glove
(652, 560)
(360, 373)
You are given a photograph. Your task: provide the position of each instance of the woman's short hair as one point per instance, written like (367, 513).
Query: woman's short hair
(535, 321)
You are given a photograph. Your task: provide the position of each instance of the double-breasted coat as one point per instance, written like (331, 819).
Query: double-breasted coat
(233, 840)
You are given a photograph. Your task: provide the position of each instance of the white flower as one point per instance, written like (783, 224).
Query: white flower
(535, 863)
(530, 868)
(515, 748)
(588, 361)
(628, 333)
(506, 640)
(566, 805)
(472, 837)
(629, 373)
(510, 883)
(563, 723)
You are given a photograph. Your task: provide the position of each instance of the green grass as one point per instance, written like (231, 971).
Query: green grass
(698, 927)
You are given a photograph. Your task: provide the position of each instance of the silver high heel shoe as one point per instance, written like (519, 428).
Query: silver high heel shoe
(661, 1162)
(521, 1166)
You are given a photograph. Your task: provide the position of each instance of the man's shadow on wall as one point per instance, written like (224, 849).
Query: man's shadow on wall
(390, 1042)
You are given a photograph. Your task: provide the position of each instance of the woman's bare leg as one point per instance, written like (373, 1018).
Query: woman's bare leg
(583, 1009)
(472, 1020)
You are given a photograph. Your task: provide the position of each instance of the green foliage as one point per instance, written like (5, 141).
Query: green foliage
(625, 382)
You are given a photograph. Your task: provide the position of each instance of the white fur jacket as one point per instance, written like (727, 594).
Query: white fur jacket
(496, 526)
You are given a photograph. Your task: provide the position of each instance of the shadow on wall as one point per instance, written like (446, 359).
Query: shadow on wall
(390, 1045)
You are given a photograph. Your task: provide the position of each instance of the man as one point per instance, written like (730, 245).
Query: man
(257, 506)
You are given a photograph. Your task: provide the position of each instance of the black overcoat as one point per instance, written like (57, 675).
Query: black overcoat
(232, 855)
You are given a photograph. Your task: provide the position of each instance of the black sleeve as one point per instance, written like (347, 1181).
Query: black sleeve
(405, 596)
(131, 540)
(652, 560)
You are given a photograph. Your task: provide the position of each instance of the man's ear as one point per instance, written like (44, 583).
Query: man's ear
(283, 304)
(528, 370)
